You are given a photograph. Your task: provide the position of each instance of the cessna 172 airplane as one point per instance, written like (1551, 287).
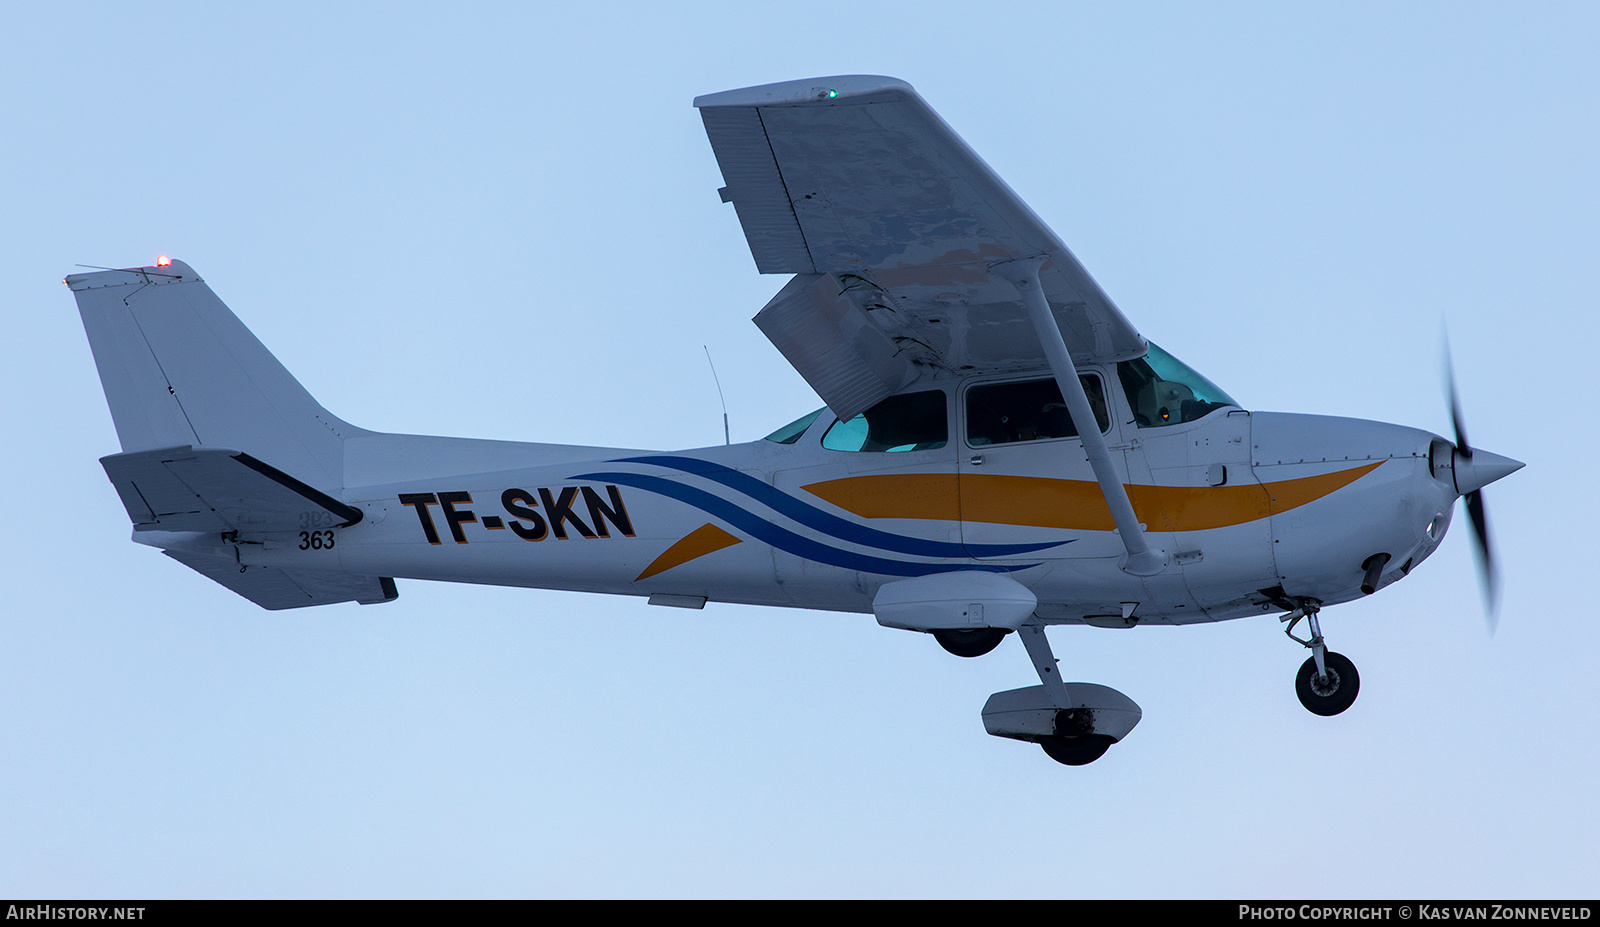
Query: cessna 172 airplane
(1001, 450)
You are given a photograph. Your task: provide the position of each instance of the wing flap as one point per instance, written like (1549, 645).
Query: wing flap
(833, 343)
(186, 488)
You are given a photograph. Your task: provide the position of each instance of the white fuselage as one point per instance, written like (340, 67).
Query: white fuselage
(1250, 509)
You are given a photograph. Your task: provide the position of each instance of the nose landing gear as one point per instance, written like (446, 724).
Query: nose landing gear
(1331, 691)
(1327, 682)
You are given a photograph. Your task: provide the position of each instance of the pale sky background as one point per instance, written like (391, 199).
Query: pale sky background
(502, 221)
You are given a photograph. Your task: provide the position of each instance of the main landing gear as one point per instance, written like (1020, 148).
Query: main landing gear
(1080, 750)
(1327, 682)
(1074, 722)
(969, 643)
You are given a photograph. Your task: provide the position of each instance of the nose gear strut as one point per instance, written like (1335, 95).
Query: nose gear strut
(1327, 682)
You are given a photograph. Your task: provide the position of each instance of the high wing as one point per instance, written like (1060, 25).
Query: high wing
(892, 226)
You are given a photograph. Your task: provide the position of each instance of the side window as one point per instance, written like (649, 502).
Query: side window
(1003, 413)
(909, 422)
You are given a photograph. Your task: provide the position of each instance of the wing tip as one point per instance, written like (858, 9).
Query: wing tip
(852, 88)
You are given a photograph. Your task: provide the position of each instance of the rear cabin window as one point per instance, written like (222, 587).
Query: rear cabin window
(791, 432)
(909, 422)
(1004, 413)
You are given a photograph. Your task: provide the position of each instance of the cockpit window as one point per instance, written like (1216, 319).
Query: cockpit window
(1002, 413)
(1164, 391)
(791, 432)
(909, 422)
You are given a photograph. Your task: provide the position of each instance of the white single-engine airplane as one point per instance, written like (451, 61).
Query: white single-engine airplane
(1001, 450)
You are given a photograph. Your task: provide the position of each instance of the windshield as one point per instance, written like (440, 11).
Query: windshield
(1164, 390)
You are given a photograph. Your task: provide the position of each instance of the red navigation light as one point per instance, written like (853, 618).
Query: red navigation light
(163, 261)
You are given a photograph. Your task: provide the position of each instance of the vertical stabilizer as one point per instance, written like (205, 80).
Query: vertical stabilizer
(179, 368)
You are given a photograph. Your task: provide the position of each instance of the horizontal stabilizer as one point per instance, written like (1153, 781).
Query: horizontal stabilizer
(215, 490)
(274, 588)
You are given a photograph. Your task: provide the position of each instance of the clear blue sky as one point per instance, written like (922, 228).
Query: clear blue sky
(502, 221)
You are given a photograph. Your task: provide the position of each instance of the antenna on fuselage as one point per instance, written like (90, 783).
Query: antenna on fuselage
(725, 438)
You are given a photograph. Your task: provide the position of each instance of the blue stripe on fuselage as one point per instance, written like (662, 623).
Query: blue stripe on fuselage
(782, 538)
(816, 519)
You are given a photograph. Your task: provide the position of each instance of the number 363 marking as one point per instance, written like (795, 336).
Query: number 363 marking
(316, 540)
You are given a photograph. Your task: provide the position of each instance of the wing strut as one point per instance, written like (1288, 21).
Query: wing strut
(1142, 560)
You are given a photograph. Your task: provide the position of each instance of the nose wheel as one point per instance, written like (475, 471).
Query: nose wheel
(1327, 682)
(1331, 691)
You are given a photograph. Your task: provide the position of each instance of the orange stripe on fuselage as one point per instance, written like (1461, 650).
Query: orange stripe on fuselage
(703, 540)
(1042, 502)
